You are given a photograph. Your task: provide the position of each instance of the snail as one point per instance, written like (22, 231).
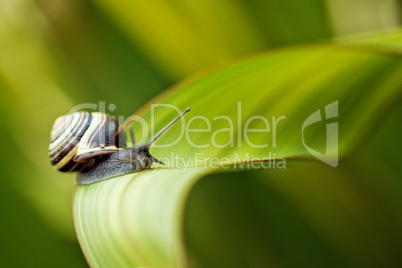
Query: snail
(94, 145)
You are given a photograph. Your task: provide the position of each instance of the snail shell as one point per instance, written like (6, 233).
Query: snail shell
(79, 137)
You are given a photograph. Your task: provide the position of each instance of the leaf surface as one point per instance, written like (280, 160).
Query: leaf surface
(137, 219)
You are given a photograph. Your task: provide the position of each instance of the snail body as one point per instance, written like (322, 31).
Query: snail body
(94, 145)
(116, 164)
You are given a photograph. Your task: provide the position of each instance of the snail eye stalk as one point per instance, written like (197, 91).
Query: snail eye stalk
(155, 138)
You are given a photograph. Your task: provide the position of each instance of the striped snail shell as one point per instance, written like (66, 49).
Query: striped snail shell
(78, 137)
(94, 145)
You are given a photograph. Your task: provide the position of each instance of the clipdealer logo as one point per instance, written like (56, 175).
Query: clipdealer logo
(244, 131)
(330, 156)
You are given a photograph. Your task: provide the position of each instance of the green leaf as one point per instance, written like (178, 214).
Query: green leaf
(138, 219)
(291, 83)
(135, 220)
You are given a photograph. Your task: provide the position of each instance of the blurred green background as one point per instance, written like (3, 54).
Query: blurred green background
(57, 54)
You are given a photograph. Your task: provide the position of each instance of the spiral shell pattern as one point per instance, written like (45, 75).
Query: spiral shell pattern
(77, 138)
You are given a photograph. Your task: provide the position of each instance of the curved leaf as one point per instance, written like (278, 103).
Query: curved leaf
(292, 83)
(137, 219)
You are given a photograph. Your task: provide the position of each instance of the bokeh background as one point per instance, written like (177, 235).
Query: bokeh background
(57, 54)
